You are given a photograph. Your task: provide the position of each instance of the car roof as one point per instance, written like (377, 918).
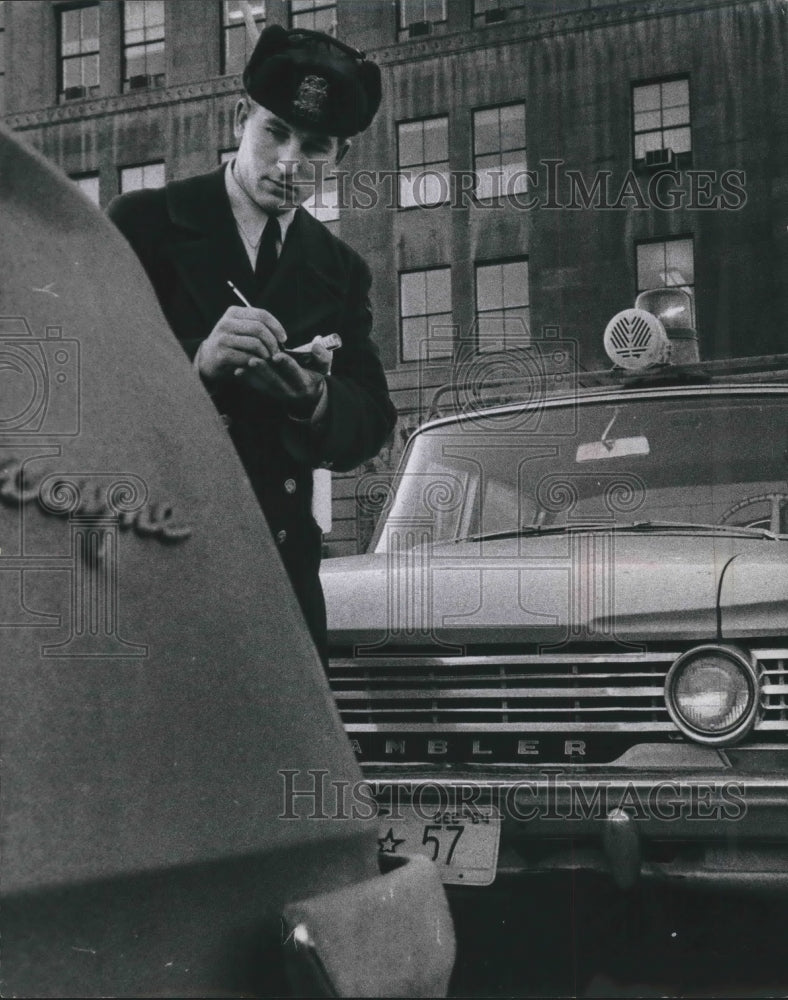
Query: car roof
(457, 402)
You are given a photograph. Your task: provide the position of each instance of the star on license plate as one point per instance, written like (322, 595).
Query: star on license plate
(463, 843)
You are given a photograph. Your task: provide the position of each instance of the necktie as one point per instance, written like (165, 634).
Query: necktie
(266, 253)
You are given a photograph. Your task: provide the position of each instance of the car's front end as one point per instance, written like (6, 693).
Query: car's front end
(568, 647)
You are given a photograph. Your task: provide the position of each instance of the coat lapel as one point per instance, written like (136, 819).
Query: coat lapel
(207, 250)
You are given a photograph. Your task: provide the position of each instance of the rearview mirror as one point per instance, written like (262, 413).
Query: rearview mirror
(612, 448)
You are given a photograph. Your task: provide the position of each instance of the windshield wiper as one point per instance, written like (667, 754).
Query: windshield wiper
(733, 530)
(529, 530)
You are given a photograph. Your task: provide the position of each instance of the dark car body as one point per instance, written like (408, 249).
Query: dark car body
(159, 686)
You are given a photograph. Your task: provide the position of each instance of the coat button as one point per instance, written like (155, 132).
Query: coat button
(281, 536)
(226, 420)
(290, 485)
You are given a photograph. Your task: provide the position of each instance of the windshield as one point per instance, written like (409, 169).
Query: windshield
(707, 459)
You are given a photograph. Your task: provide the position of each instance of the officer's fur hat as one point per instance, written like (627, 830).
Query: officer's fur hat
(313, 81)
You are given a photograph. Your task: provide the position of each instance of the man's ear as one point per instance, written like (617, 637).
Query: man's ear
(342, 148)
(241, 116)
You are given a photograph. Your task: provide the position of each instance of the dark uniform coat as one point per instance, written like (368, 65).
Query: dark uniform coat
(186, 238)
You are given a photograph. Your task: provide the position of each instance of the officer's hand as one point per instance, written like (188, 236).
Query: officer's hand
(243, 333)
(283, 378)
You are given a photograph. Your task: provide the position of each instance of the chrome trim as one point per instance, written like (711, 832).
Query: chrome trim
(431, 694)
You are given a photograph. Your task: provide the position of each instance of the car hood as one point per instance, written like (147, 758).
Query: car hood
(586, 586)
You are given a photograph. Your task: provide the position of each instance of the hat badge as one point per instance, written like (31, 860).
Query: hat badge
(310, 97)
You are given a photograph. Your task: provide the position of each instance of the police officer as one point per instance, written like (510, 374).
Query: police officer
(214, 242)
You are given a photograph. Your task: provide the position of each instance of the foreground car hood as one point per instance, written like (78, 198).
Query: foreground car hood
(587, 586)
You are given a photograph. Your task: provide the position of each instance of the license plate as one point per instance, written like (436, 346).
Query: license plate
(463, 844)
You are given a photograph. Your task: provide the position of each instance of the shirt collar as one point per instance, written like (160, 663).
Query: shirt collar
(249, 217)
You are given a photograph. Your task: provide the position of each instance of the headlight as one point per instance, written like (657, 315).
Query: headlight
(712, 694)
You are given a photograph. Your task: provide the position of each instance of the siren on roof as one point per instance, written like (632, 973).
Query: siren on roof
(657, 331)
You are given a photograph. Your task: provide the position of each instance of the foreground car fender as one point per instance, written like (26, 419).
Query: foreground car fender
(157, 674)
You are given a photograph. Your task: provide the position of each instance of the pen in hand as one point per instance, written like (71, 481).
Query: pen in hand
(253, 362)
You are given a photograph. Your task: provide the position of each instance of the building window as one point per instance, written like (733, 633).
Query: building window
(236, 44)
(661, 124)
(324, 204)
(502, 305)
(144, 175)
(489, 11)
(667, 264)
(425, 314)
(417, 17)
(89, 185)
(499, 151)
(423, 159)
(2, 57)
(143, 44)
(78, 34)
(317, 15)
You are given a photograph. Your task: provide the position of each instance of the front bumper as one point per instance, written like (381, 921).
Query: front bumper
(720, 825)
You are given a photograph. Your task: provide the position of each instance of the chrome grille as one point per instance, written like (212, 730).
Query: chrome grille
(614, 692)
(774, 688)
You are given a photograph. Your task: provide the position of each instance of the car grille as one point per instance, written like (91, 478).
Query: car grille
(614, 692)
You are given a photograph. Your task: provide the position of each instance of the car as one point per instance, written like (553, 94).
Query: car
(567, 645)
(162, 703)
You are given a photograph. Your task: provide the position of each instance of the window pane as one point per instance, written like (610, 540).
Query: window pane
(675, 92)
(414, 333)
(154, 16)
(488, 183)
(324, 20)
(515, 284)
(436, 140)
(439, 291)
(410, 11)
(651, 265)
(90, 28)
(489, 288)
(134, 15)
(486, 131)
(514, 180)
(411, 147)
(646, 98)
(646, 120)
(513, 127)
(413, 294)
(678, 139)
(89, 185)
(680, 257)
(675, 116)
(440, 333)
(516, 327)
(90, 74)
(430, 187)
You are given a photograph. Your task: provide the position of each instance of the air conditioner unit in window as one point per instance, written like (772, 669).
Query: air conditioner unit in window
(659, 158)
(418, 29)
(139, 82)
(492, 16)
(74, 93)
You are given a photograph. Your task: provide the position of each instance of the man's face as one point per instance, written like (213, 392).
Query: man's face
(277, 164)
